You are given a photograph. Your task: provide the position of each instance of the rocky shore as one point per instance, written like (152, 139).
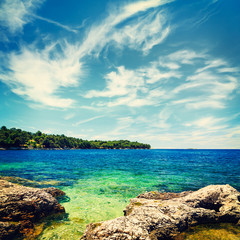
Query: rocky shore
(21, 207)
(159, 216)
(149, 216)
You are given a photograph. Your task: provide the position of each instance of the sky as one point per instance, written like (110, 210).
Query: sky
(163, 72)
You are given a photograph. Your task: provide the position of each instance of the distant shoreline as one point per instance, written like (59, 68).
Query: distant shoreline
(17, 139)
(62, 149)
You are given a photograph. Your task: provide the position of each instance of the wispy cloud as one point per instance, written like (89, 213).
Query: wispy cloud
(208, 87)
(135, 88)
(55, 23)
(39, 75)
(141, 33)
(54, 69)
(14, 14)
(119, 83)
(205, 14)
(212, 64)
(87, 120)
(185, 56)
(144, 34)
(209, 122)
(133, 8)
(69, 116)
(123, 127)
(229, 70)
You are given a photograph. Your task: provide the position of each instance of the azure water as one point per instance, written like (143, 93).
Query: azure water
(99, 183)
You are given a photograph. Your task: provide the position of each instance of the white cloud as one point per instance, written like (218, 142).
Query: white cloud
(52, 70)
(212, 64)
(144, 33)
(199, 103)
(170, 65)
(153, 74)
(133, 8)
(228, 70)
(132, 87)
(40, 75)
(87, 120)
(119, 83)
(131, 101)
(162, 119)
(69, 116)
(205, 104)
(159, 83)
(234, 132)
(185, 56)
(210, 123)
(140, 33)
(55, 23)
(213, 90)
(123, 127)
(14, 14)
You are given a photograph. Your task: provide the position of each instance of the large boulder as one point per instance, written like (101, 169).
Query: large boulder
(163, 216)
(21, 207)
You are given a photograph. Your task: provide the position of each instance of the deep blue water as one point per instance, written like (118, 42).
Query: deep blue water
(172, 169)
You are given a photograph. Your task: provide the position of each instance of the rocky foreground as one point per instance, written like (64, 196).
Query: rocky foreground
(164, 215)
(21, 207)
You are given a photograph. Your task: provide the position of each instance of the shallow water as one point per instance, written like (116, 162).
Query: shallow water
(99, 183)
(222, 231)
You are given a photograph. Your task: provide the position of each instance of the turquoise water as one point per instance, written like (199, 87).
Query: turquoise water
(99, 183)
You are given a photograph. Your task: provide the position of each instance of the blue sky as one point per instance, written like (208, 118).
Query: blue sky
(164, 72)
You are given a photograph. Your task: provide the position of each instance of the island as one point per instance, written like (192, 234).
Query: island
(14, 138)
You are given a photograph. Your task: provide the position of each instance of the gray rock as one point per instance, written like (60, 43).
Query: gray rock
(21, 206)
(155, 216)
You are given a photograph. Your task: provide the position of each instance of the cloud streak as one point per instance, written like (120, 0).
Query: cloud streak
(55, 23)
(87, 120)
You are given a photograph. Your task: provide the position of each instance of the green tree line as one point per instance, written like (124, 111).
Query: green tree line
(17, 138)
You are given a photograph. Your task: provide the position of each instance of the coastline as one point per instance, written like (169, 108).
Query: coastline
(23, 148)
(148, 203)
(167, 149)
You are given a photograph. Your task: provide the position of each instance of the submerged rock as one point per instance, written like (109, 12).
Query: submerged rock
(55, 192)
(21, 206)
(163, 216)
(30, 183)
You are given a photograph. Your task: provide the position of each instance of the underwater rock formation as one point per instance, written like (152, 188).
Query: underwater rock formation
(21, 207)
(164, 215)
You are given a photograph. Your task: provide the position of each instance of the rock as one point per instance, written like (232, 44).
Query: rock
(162, 196)
(21, 207)
(21, 181)
(9, 230)
(55, 192)
(30, 183)
(164, 216)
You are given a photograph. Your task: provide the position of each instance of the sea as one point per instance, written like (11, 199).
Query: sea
(99, 183)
